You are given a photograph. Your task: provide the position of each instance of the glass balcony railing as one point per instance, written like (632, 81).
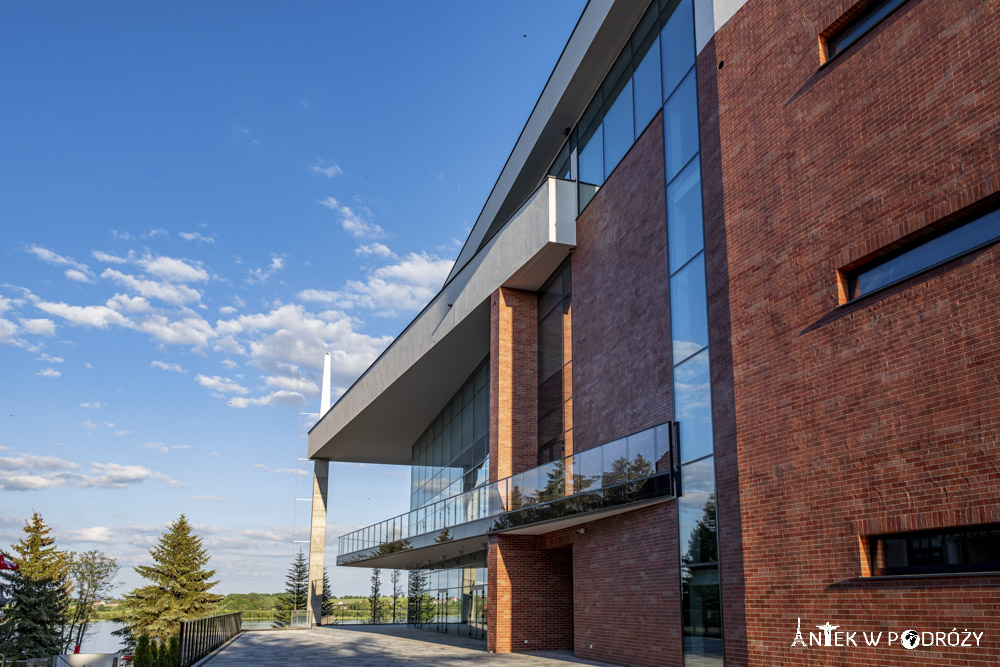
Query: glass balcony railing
(635, 468)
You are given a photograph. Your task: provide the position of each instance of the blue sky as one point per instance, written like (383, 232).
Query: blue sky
(199, 199)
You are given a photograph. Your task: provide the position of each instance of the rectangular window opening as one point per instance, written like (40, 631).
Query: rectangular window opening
(942, 551)
(920, 256)
(854, 25)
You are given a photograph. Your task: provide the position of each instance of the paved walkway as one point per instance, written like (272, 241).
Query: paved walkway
(373, 647)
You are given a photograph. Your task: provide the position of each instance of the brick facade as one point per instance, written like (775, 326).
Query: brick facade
(621, 301)
(882, 415)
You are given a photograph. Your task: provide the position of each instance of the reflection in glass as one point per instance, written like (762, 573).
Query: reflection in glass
(696, 513)
(693, 406)
(646, 86)
(688, 315)
(680, 117)
(619, 132)
(684, 221)
(677, 41)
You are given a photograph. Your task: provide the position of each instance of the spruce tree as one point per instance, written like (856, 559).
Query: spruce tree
(143, 656)
(296, 593)
(31, 625)
(375, 599)
(329, 604)
(179, 588)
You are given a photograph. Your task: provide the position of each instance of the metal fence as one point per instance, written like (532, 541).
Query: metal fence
(200, 637)
(275, 620)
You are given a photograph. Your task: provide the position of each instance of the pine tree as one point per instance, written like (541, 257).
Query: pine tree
(394, 578)
(375, 599)
(31, 626)
(296, 595)
(143, 652)
(180, 586)
(329, 603)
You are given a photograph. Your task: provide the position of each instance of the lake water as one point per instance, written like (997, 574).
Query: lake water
(100, 640)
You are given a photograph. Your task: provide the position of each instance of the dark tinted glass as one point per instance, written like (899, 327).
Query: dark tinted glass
(677, 46)
(979, 232)
(966, 549)
(864, 22)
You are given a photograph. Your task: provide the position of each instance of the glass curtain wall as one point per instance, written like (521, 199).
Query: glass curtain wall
(449, 458)
(657, 70)
(555, 387)
(701, 603)
(452, 455)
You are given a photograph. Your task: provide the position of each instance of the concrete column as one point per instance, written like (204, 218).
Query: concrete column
(317, 539)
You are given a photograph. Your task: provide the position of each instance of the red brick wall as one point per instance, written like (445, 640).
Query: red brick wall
(530, 596)
(883, 415)
(625, 588)
(513, 382)
(621, 325)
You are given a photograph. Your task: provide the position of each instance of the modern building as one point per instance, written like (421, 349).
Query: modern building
(716, 376)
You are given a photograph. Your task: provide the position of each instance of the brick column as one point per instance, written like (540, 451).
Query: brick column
(513, 382)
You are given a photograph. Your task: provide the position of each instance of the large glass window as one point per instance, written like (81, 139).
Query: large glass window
(964, 549)
(554, 364)
(693, 406)
(677, 45)
(680, 116)
(684, 221)
(688, 313)
(855, 29)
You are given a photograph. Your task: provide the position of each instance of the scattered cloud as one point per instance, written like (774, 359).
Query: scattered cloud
(173, 269)
(282, 397)
(191, 330)
(33, 462)
(160, 446)
(100, 317)
(354, 223)
(39, 327)
(197, 236)
(229, 363)
(164, 366)
(48, 373)
(405, 286)
(324, 168)
(101, 534)
(50, 359)
(221, 384)
(260, 275)
(116, 476)
(164, 291)
(374, 249)
(291, 383)
(77, 271)
(93, 426)
(227, 310)
(108, 258)
(95, 405)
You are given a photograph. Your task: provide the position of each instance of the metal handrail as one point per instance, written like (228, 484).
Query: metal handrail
(201, 636)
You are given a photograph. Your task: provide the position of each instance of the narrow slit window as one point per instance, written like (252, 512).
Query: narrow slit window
(943, 551)
(925, 255)
(856, 28)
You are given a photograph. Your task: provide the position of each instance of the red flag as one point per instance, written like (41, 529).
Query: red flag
(7, 564)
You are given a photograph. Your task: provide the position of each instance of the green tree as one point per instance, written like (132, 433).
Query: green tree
(375, 606)
(92, 575)
(32, 623)
(329, 598)
(179, 588)
(396, 592)
(295, 597)
(143, 652)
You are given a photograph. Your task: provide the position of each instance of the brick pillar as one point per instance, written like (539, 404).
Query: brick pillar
(530, 596)
(513, 382)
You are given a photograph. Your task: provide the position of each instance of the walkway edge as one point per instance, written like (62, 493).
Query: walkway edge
(218, 649)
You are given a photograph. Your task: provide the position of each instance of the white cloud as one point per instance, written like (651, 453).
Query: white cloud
(160, 446)
(129, 304)
(93, 426)
(197, 236)
(221, 384)
(227, 310)
(162, 365)
(88, 365)
(259, 275)
(78, 276)
(326, 168)
(291, 383)
(229, 363)
(116, 476)
(49, 373)
(77, 270)
(33, 462)
(108, 258)
(96, 405)
(29, 481)
(39, 327)
(164, 291)
(100, 317)
(121, 433)
(27, 472)
(50, 359)
(191, 330)
(282, 397)
(8, 332)
(405, 286)
(207, 496)
(174, 270)
(376, 249)
(354, 223)
(93, 534)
